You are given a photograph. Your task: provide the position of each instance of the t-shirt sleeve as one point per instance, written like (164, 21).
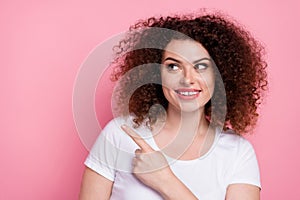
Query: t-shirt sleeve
(246, 169)
(103, 155)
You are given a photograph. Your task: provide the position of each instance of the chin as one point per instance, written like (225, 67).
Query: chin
(191, 107)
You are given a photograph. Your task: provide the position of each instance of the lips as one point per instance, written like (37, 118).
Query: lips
(187, 93)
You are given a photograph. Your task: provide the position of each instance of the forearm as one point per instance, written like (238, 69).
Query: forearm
(152, 169)
(174, 189)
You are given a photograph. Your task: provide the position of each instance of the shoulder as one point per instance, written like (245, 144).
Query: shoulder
(239, 153)
(230, 141)
(113, 132)
(115, 123)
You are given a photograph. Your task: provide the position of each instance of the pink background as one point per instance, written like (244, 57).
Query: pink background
(43, 44)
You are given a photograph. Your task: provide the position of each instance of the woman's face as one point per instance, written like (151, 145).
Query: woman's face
(187, 75)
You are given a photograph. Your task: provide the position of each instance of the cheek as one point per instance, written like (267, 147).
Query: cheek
(207, 81)
(169, 83)
(168, 90)
(165, 91)
(169, 80)
(166, 84)
(167, 94)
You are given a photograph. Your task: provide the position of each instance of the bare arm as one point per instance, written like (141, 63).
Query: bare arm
(166, 183)
(178, 190)
(175, 189)
(94, 186)
(151, 168)
(242, 191)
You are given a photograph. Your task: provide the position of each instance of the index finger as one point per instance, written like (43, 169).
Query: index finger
(137, 139)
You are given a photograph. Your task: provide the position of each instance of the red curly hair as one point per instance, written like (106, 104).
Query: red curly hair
(236, 54)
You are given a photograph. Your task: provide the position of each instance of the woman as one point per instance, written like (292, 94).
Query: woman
(189, 87)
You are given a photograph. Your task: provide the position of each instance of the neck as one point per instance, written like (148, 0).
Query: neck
(186, 121)
(181, 130)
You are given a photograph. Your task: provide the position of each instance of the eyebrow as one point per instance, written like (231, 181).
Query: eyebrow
(196, 61)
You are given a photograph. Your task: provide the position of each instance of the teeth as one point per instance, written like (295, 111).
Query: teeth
(188, 93)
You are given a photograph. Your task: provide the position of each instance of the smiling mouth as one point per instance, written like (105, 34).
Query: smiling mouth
(187, 93)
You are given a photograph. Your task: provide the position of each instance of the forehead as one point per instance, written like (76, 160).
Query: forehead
(185, 49)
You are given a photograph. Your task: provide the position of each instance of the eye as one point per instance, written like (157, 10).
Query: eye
(172, 67)
(201, 66)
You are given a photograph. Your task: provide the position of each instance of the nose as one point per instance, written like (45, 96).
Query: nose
(188, 77)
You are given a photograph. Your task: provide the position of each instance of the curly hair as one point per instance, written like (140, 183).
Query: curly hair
(236, 54)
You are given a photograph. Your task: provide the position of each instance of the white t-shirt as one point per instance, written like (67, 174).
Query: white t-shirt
(231, 159)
